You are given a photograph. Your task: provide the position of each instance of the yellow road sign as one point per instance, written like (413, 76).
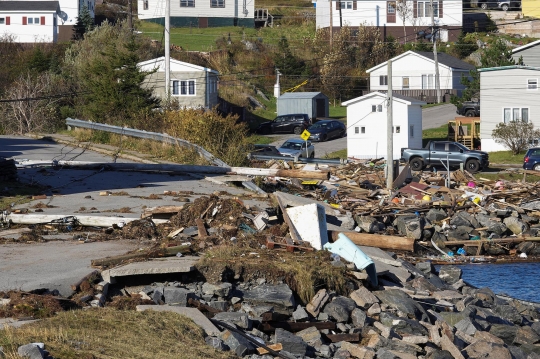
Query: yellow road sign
(305, 135)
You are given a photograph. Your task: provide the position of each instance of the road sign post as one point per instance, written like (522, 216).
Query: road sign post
(305, 136)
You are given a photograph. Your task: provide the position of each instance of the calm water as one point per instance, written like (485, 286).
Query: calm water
(520, 281)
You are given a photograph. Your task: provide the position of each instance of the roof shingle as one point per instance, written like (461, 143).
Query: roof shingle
(29, 6)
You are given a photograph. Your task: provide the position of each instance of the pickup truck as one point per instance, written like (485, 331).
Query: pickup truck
(455, 152)
(469, 109)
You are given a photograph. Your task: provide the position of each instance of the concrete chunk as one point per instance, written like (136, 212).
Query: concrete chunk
(318, 301)
(156, 266)
(192, 313)
(363, 297)
(310, 222)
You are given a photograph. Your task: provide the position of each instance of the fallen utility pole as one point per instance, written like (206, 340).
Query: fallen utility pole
(62, 219)
(380, 241)
(248, 171)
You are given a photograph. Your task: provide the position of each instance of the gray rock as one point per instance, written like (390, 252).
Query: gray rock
(401, 223)
(234, 340)
(240, 319)
(508, 312)
(340, 309)
(385, 354)
(516, 352)
(157, 295)
(463, 218)
(415, 271)
(368, 224)
(467, 326)
(436, 215)
(342, 354)
(425, 267)
(525, 247)
(291, 343)
(422, 284)
(506, 332)
(460, 233)
(279, 294)
(300, 314)
(440, 354)
(402, 326)
(525, 335)
(311, 336)
(191, 231)
(177, 296)
(222, 305)
(480, 348)
(216, 343)
(326, 351)
(414, 228)
(515, 225)
(31, 351)
(399, 300)
(363, 297)
(536, 327)
(358, 317)
(450, 274)
(220, 290)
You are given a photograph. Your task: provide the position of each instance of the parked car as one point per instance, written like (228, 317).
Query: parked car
(531, 161)
(325, 130)
(488, 4)
(265, 150)
(455, 152)
(296, 147)
(469, 109)
(293, 123)
(507, 4)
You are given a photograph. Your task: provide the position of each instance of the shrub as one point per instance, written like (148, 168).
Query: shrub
(515, 135)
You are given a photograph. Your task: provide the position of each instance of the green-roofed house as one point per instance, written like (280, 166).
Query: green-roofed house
(507, 93)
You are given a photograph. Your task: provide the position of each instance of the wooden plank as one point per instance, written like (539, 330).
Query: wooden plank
(275, 347)
(335, 338)
(202, 229)
(296, 327)
(75, 287)
(379, 241)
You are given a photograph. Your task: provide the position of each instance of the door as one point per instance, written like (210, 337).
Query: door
(321, 108)
(453, 152)
(203, 22)
(437, 152)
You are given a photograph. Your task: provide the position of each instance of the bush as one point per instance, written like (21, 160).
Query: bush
(515, 135)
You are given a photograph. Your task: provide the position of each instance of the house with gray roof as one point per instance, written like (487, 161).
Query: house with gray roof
(29, 21)
(413, 75)
(529, 53)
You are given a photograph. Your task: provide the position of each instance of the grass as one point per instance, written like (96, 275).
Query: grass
(506, 157)
(338, 111)
(337, 154)
(435, 134)
(16, 192)
(111, 333)
(508, 176)
(434, 104)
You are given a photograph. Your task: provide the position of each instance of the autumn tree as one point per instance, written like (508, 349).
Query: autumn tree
(515, 135)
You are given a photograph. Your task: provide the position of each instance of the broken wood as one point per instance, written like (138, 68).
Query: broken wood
(336, 338)
(276, 347)
(376, 240)
(9, 232)
(90, 221)
(162, 210)
(202, 229)
(75, 287)
(296, 327)
(161, 252)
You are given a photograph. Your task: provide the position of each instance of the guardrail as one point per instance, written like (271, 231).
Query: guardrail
(146, 135)
(299, 159)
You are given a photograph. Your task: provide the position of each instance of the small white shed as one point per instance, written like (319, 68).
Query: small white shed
(366, 125)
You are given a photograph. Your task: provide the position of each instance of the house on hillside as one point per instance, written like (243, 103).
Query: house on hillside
(530, 54)
(507, 93)
(315, 104)
(530, 8)
(413, 75)
(366, 125)
(191, 85)
(201, 14)
(402, 20)
(30, 21)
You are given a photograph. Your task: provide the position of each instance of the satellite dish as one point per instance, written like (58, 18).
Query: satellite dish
(63, 16)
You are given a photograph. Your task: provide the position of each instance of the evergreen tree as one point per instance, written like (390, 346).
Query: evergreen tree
(39, 62)
(84, 24)
(286, 62)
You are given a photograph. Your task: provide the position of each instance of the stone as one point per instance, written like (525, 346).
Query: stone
(515, 225)
(518, 353)
(422, 284)
(31, 351)
(509, 313)
(323, 317)
(363, 297)
(467, 326)
(401, 301)
(220, 290)
(157, 295)
(479, 349)
(235, 300)
(311, 336)
(177, 296)
(340, 309)
(168, 265)
(449, 295)
(358, 317)
(416, 339)
(368, 224)
(460, 233)
(464, 218)
(221, 305)
(403, 349)
(216, 343)
(439, 354)
(536, 327)
(436, 215)
(450, 274)
(342, 354)
(374, 310)
(234, 340)
(525, 335)
(402, 326)
(425, 267)
(279, 294)
(358, 351)
(290, 342)
(506, 332)
(325, 351)
(300, 314)
(317, 302)
(414, 228)
(240, 319)
(447, 344)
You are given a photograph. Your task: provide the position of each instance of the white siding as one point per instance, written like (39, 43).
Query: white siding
(372, 143)
(70, 9)
(30, 33)
(501, 89)
(374, 13)
(233, 9)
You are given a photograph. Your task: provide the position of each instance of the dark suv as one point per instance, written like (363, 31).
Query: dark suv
(531, 161)
(293, 123)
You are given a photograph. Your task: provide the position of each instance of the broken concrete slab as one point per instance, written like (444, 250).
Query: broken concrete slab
(192, 313)
(310, 222)
(155, 266)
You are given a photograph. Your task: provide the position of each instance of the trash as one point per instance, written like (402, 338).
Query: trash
(523, 255)
(310, 222)
(461, 251)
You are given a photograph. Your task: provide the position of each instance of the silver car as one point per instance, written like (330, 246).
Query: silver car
(297, 148)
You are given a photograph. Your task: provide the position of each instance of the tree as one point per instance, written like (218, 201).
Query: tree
(371, 49)
(286, 62)
(84, 24)
(496, 54)
(406, 13)
(516, 135)
(464, 46)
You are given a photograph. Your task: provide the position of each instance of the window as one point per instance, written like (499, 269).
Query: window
(33, 21)
(379, 108)
(183, 88)
(532, 84)
(217, 3)
(357, 130)
(411, 131)
(453, 148)
(391, 7)
(373, 108)
(398, 129)
(145, 5)
(346, 5)
(383, 80)
(515, 114)
(437, 146)
(427, 82)
(187, 3)
(363, 129)
(405, 83)
(2, 20)
(424, 9)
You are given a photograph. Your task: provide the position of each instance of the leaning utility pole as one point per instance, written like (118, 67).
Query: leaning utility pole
(434, 39)
(389, 132)
(167, 50)
(331, 26)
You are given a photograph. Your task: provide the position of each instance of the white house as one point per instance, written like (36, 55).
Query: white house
(401, 19)
(367, 125)
(507, 93)
(30, 21)
(530, 54)
(199, 13)
(415, 70)
(191, 85)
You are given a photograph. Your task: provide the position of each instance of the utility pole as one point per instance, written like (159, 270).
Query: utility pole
(340, 17)
(168, 50)
(389, 132)
(331, 26)
(434, 39)
(130, 15)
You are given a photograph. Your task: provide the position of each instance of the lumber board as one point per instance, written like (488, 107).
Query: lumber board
(379, 241)
(345, 337)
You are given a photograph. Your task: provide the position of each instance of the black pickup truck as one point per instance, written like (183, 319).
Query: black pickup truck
(469, 109)
(454, 152)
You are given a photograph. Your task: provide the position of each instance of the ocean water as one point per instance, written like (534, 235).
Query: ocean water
(518, 280)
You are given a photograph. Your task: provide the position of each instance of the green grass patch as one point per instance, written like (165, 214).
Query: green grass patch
(261, 140)
(337, 154)
(435, 134)
(508, 176)
(337, 111)
(434, 104)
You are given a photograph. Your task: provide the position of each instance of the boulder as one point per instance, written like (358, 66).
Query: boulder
(317, 302)
(280, 295)
(358, 351)
(401, 301)
(460, 233)
(340, 309)
(422, 284)
(425, 267)
(525, 335)
(525, 247)
(466, 326)
(479, 349)
(31, 351)
(506, 332)
(509, 313)
(216, 343)
(463, 218)
(300, 314)
(368, 224)
(291, 343)
(240, 319)
(402, 326)
(220, 290)
(439, 354)
(177, 296)
(311, 336)
(363, 297)
(358, 317)
(436, 215)
(450, 274)
(516, 225)
(237, 342)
